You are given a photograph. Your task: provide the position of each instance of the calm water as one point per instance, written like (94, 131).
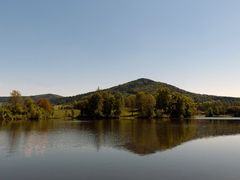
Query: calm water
(120, 149)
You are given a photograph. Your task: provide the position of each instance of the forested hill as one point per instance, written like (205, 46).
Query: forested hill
(51, 97)
(152, 87)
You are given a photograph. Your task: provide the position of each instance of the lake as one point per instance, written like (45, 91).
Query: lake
(120, 149)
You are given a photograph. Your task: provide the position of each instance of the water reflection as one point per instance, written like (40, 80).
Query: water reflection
(141, 137)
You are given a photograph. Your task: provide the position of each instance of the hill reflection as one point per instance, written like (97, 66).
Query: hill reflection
(141, 137)
(147, 137)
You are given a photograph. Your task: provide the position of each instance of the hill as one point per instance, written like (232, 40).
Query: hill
(152, 87)
(51, 97)
(133, 87)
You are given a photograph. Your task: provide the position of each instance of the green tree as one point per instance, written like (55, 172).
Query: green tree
(30, 108)
(33, 112)
(5, 114)
(163, 100)
(83, 107)
(108, 105)
(145, 104)
(95, 105)
(210, 112)
(131, 103)
(190, 107)
(118, 104)
(16, 103)
(139, 101)
(181, 106)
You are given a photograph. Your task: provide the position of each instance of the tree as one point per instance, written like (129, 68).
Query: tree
(145, 104)
(108, 105)
(177, 107)
(101, 104)
(5, 114)
(29, 104)
(16, 97)
(30, 107)
(20, 108)
(95, 105)
(139, 101)
(45, 104)
(163, 100)
(210, 112)
(16, 102)
(45, 108)
(149, 106)
(131, 103)
(190, 108)
(83, 107)
(118, 104)
(181, 106)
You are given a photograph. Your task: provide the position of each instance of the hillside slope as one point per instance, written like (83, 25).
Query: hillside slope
(152, 87)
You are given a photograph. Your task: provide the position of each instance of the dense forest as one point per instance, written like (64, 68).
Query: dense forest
(104, 104)
(142, 98)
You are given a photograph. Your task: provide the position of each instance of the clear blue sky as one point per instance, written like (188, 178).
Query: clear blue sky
(73, 46)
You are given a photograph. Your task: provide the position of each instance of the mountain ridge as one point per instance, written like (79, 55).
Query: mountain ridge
(132, 87)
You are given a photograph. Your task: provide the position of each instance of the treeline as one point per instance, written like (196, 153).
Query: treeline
(111, 104)
(163, 104)
(19, 108)
(218, 108)
(104, 104)
(101, 105)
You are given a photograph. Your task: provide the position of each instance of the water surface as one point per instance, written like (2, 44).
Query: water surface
(120, 149)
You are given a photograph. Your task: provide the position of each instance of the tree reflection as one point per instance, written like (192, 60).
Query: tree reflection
(147, 137)
(141, 137)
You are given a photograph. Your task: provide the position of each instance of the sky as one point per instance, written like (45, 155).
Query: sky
(70, 47)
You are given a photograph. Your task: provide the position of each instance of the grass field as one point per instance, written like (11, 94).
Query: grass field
(65, 113)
